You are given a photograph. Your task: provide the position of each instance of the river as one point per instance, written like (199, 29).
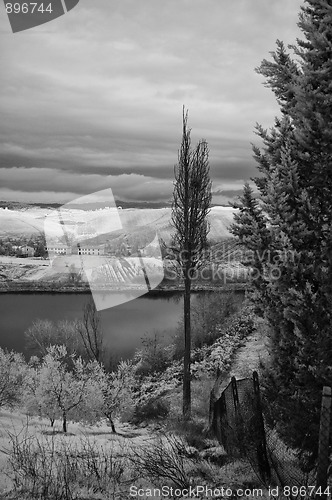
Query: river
(123, 326)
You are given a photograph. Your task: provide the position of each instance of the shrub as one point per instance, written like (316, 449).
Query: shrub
(218, 356)
(209, 312)
(51, 468)
(155, 408)
(12, 372)
(165, 461)
(154, 356)
(192, 432)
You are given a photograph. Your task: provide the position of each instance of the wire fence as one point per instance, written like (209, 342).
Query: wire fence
(238, 423)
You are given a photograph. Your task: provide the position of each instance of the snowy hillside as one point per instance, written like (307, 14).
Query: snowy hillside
(30, 221)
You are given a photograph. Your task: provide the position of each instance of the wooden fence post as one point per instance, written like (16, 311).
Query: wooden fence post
(235, 393)
(263, 462)
(237, 423)
(324, 442)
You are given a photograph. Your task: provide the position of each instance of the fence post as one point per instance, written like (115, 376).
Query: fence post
(237, 430)
(235, 393)
(324, 442)
(263, 462)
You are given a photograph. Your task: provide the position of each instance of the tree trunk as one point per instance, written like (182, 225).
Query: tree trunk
(109, 416)
(187, 349)
(64, 422)
(112, 426)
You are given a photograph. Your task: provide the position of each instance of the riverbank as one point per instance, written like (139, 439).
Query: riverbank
(35, 275)
(54, 287)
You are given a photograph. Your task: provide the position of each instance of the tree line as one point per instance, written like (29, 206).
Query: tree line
(63, 386)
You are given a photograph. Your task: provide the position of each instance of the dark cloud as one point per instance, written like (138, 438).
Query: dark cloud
(99, 93)
(230, 193)
(124, 186)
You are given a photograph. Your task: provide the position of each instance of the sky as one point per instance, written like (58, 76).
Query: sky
(93, 99)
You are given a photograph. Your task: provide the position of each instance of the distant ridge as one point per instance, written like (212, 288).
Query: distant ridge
(143, 204)
(16, 205)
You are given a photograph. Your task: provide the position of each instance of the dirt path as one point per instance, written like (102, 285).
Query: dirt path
(247, 358)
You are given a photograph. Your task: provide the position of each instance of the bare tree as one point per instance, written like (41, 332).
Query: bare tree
(83, 337)
(43, 333)
(40, 335)
(90, 332)
(12, 373)
(191, 205)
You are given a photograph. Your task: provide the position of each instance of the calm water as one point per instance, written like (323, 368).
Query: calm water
(123, 326)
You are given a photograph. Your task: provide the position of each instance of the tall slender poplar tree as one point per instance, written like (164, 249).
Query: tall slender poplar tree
(191, 205)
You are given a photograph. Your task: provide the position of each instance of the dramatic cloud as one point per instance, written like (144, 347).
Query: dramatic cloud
(96, 96)
(63, 184)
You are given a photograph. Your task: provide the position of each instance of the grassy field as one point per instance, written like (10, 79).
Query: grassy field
(30, 443)
(103, 465)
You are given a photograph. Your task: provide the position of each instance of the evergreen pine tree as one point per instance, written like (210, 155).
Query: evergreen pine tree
(293, 239)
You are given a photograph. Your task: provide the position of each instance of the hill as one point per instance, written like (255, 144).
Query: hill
(29, 220)
(139, 230)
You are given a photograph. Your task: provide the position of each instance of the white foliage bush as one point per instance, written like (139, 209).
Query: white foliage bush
(207, 360)
(218, 357)
(12, 373)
